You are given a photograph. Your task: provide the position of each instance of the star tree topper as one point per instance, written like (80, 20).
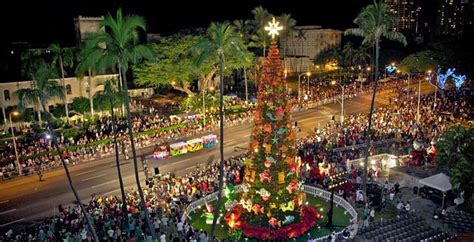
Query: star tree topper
(273, 28)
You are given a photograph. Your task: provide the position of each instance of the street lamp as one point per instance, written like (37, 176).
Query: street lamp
(299, 83)
(336, 181)
(342, 100)
(211, 88)
(15, 113)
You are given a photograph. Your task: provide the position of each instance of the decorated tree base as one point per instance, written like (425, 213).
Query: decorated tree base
(318, 230)
(308, 219)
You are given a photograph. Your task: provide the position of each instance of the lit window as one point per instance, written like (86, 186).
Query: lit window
(68, 89)
(6, 95)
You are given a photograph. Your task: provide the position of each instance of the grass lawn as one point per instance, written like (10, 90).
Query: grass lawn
(340, 220)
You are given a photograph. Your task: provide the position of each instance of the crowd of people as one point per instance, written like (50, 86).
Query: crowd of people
(36, 153)
(167, 196)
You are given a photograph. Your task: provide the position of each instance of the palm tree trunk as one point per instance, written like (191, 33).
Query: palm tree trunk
(66, 108)
(367, 132)
(134, 154)
(69, 179)
(91, 99)
(221, 147)
(122, 110)
(119, 172)
(246, 86)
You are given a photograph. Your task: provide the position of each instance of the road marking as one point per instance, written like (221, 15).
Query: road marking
(247, 135)
(189, 168)
(83, 173)
(16, 221)
(8, 211)
(306, 119)
(105, 183)
(2, 202)
(94, 177)
(111, 192)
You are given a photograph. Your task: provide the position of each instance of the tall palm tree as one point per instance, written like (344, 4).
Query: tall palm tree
(63, 57)
(109, 94)
(43, 90)
(221, 41)
(118, 47)
(288, 25)
(32, 60)
(243, 27)
(260, 18)
(374, 21)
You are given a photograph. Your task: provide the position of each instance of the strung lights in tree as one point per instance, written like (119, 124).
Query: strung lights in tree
(443, 77)
(273, 28)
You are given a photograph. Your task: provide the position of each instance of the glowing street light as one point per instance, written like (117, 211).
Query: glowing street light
(15, 113)
(299, 83)
(333, 82)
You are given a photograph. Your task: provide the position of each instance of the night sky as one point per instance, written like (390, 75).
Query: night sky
(44, 22)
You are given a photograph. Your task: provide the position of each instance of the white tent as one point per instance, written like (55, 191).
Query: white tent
(439, 182)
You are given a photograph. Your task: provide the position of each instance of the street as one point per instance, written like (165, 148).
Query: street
(25, 199)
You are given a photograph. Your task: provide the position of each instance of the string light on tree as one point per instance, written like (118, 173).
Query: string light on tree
(273, 28)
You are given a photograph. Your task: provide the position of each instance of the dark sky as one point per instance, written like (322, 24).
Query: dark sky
(43, 22)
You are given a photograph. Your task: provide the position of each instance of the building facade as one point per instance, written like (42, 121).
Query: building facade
(74, 87)
(453, 17)
(407, 12)
(301, 48)
(85, 26)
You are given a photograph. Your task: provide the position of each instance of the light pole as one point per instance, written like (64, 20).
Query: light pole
(299, 84)
(15, 113)
(342, 101)
(336, 181)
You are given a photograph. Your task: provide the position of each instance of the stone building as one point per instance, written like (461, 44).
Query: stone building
(75, 87)
(301, 48)
(85, 26)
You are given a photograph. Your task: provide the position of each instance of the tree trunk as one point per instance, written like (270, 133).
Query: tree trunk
(367, 132)
(119, 172)
(69, 179)
(134, 154)
(246, 86)
(120, 85)
(66, 108)
(221, 147)
(91, 99)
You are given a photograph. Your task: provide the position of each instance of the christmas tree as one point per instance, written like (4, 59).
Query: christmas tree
(269, 205)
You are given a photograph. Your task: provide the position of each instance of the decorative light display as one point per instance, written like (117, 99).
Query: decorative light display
(391, 68)
(273, 28)
(270, 206)
(443, 77)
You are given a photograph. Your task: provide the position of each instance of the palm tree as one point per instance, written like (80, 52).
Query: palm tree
(43, 90)
(109, 94)
(221, 41)
(62, 57)
(117, 47)
(260, 15)
(242, 27)
(374, 21)
(288, 25)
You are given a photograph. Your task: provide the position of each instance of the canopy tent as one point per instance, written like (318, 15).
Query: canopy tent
(439, 182)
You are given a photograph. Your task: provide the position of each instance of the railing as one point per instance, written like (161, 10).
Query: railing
(358, 146)
(314, 191)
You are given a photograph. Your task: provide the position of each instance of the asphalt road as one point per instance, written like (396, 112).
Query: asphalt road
(25, 199)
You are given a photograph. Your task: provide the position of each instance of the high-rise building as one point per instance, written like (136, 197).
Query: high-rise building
(453, 17)
(407, 12)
